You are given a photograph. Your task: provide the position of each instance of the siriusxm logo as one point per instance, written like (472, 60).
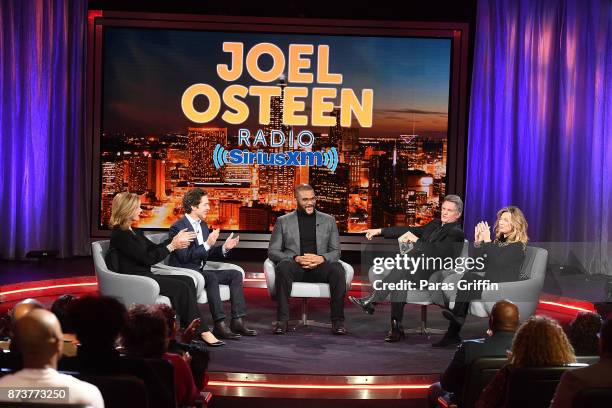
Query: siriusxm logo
(275, 139)
(329, 158)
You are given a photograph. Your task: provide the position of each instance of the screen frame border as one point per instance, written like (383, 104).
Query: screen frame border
(457, 32)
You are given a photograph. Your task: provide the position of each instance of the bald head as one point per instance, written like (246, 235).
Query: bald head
(39, 336)
(24, 307)
(504, 316)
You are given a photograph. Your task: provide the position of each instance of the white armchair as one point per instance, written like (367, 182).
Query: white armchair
(305, 290)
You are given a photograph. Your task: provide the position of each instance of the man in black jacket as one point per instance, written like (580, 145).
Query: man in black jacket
(503, 322)
(441, 238)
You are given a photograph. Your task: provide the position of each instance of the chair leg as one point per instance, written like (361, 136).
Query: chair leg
(422, 329)
(305, 322)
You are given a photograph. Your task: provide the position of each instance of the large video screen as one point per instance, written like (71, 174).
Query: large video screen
(249, 115)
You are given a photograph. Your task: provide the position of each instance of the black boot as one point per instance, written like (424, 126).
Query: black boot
(221, 331)
(237, 326)
(396, 333)
(365, 303)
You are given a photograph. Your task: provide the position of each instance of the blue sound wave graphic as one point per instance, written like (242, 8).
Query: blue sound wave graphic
(220, 156)
(331, 159)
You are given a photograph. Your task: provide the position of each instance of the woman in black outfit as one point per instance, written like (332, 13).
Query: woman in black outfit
(503, 260)
(136, 255)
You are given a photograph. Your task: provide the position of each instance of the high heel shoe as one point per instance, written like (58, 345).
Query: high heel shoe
(396, 333)
(217, 343)
(366, 303)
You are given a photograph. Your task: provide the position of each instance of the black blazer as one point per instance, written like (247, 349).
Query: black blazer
(195, 254)
(453, 379)
(435, 239)
(136, 253)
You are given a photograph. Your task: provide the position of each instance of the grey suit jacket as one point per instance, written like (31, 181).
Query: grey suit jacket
(285, 239)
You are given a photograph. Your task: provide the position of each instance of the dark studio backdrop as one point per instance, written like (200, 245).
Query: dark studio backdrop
(540, 107)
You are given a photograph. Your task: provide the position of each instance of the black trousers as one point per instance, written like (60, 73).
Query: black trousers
(289, 271)
(232, 278)
(463, 299)
(398, 297)
(182, 293)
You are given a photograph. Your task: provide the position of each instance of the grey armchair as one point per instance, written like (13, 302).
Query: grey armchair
(305, 290)
(163, 268)
(128, 289)
(525, 294)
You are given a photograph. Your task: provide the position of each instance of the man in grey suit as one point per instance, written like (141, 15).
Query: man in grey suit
(305, 246)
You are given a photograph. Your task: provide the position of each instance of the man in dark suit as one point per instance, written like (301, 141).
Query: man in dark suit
(305, 246)
(503, 322)
(439, 238)
(196, 206)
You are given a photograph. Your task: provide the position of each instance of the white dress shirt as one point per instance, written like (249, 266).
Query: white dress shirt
(197, 227)
(79, 392)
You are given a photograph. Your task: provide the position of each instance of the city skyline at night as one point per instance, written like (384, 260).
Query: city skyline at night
(392, 173)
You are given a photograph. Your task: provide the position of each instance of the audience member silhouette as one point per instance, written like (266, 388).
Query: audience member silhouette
(539, 342)
(598, 375)
(583, 333)
(503, 322)
(39, 338)
(146, 336)
(97, 322)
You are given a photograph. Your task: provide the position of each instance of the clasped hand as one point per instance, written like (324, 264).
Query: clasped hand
(409, 237)
(309, 261)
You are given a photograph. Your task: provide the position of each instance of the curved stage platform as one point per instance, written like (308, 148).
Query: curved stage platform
(305, 365)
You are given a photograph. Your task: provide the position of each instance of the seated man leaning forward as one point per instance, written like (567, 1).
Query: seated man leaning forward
(305, 246)
(196, 206)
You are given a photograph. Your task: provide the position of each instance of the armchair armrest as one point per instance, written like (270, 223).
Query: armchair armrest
(198, 278)
(526, 290)
(270, 275)
(349, 271)
(214, 265)
(129, 289)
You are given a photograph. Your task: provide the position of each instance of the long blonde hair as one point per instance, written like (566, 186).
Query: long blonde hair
(539, 342)
(124, 205)
(519, 225)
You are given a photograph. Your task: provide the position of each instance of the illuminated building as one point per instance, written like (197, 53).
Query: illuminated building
(332, 191)
(276, 183)
(354, 161)
(137, 174)
(255, 218)
(229, 213)
(202, 142)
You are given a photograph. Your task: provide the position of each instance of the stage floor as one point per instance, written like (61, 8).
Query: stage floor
(316, 351)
